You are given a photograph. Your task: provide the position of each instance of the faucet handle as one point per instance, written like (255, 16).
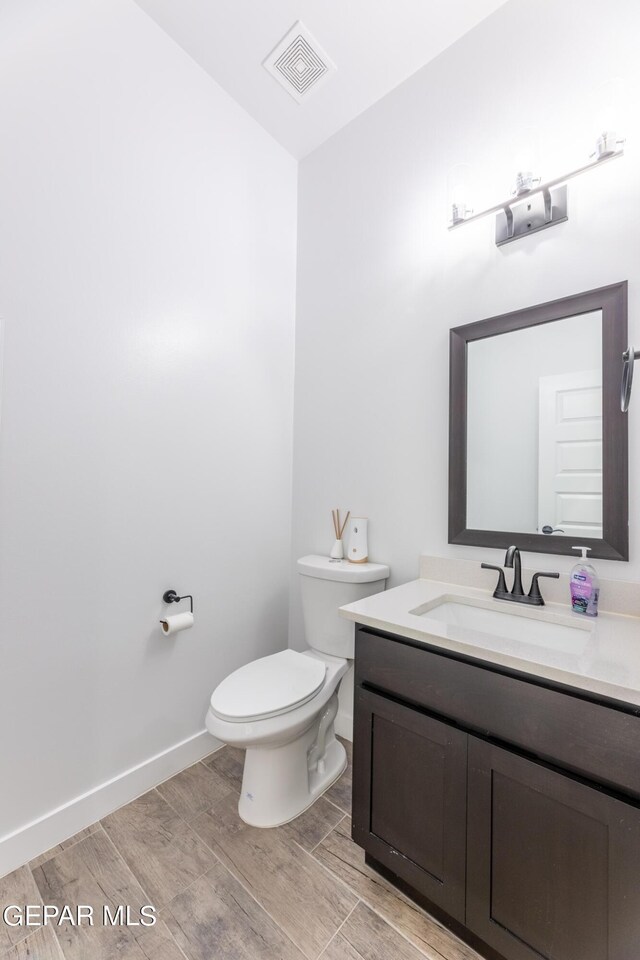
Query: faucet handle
(501, 587)
(534, 592)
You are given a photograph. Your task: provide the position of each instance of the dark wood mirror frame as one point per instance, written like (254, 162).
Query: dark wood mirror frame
(614, 544)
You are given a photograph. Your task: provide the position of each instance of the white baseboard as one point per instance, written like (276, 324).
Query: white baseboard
(344, 725)
(58, 825)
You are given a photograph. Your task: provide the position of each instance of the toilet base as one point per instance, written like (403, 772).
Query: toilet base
(278, 784)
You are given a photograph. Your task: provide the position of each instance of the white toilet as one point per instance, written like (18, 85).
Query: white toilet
(281, 708)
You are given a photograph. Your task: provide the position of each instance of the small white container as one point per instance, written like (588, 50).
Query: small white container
(358, 540)
(337, 550)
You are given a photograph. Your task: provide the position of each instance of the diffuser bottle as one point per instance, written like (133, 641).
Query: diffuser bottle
(337, 550)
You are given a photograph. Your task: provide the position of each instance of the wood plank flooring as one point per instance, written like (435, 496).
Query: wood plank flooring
(224, 890)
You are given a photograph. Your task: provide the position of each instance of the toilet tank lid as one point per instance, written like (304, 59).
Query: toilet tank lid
(324, 568)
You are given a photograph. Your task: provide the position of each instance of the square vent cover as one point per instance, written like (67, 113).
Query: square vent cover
(299, 63)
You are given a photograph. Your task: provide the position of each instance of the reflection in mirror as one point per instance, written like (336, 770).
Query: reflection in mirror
(534, 429)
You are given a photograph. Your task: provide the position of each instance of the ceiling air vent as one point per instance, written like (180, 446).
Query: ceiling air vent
(299, 63)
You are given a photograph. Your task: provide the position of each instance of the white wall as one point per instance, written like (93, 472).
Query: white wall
(381, 281)
(147, 285)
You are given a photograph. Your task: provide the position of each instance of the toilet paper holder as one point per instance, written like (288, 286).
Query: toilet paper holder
(170, 596)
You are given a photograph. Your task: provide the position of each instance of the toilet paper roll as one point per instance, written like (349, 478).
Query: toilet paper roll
(176, 623)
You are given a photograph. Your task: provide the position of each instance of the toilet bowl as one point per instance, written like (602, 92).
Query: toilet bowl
(280, 780)
(281, 708)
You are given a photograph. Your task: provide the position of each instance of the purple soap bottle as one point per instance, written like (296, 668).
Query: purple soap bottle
(584, 586)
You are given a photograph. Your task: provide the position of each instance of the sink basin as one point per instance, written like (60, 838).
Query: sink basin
(534, 630)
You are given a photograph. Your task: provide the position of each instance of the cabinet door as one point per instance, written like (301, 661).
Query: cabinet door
(553, 865)
(409, 801)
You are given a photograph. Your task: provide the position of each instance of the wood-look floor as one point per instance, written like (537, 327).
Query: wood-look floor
(224, 890)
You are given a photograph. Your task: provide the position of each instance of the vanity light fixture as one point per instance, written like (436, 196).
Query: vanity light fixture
(535, 205)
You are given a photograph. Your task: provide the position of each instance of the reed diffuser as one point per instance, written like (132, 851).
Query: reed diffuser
(337, 550)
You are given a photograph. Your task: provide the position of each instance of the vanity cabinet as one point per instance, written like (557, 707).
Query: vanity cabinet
(512, 807)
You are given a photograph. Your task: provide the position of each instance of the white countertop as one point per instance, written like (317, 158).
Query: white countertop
(607, 664)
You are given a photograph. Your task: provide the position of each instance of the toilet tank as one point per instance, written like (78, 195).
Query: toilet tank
(327, 584)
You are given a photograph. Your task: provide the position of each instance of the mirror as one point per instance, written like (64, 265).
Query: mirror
(538, 444)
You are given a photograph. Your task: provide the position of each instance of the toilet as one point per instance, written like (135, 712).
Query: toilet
(281, 709)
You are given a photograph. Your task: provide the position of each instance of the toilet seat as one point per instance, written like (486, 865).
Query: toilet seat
(268, 687)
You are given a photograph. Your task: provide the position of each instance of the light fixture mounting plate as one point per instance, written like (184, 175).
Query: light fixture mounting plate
(530, 214)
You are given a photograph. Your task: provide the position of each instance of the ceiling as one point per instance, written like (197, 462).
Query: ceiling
(374, 44)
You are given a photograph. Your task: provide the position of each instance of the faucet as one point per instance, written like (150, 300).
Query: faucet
(512, 560)
(517, 595)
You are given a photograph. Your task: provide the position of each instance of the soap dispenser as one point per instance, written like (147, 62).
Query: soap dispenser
(584, 586)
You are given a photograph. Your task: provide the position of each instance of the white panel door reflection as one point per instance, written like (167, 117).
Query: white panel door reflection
(570, 454)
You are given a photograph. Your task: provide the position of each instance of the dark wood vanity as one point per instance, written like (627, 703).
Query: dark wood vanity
(506, 805)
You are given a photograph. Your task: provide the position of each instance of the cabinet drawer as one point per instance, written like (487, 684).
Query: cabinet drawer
(584, 737)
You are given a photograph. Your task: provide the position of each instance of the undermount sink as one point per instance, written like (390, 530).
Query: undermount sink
(518, 627)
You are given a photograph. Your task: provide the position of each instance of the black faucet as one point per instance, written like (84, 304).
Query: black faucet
(512, 560)
(517, 594)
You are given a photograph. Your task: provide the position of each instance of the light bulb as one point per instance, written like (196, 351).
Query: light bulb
(525, 160)
(459, 187)
(608, 117)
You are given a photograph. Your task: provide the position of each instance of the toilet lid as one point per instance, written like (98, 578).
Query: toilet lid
(268, 687)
